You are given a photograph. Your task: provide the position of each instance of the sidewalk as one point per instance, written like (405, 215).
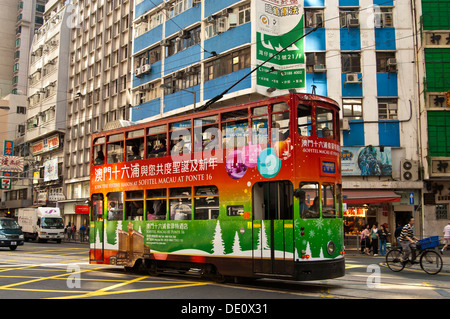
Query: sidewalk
(354, 252)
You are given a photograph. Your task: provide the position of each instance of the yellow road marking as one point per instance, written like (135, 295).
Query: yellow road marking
(107, 293)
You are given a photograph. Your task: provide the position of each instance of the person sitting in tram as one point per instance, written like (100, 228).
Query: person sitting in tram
(100, 159)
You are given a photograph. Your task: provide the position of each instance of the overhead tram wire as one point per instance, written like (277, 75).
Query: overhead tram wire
(219, 96)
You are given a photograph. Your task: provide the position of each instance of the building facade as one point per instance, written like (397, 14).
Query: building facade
(358, 52)
(432, 43)
(39, 135)
(98, 87)
(8, 16)
(30, 17)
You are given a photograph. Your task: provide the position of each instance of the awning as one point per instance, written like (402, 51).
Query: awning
(369, 196)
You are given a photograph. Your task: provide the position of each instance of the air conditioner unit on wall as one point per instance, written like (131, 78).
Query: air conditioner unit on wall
(146, 68)
(409, 170)
(345, 126)
(351, 78)
(353, 22)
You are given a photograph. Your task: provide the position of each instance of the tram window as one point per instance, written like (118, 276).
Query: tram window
(180, 142)
(180, 202)
(328, 201)
(156, 145)
(206, 203)
(206, 138)
(114, 152)
(234, 115)
(260, 130)
(135, 149)
(260, 110)
(156, 204)
(97, 207)
(134, 210)
(135, 194)
(325, 123)
(235, 134)
(206, 120)
(115, 206)
(99, 155)
(304, 120)
(280, 126)
(308, 195)
(339, 200)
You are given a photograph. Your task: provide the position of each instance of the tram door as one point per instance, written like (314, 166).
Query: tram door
(273, 228)
(97, 227)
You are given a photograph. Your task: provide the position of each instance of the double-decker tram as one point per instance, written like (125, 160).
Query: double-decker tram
(250, 190)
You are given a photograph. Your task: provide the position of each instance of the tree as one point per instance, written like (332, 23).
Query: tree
(218, 244)
(236, 245)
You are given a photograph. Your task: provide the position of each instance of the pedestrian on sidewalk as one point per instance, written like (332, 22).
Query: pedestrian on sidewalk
(82, 233)
(383, 235)
(374, 238)
(69, 231)
(365, 240)
(446, 237)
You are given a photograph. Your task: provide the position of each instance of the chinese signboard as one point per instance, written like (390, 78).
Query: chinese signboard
(11, 163)
(366, 161)
(8, 148)
(279, 24)
(45, 145)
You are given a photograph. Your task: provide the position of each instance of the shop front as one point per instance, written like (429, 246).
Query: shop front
(366, 207)
(76, 213)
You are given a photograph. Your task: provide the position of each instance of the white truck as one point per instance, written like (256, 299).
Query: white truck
(41, 223)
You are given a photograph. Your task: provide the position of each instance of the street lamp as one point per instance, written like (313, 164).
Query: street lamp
(168, 86)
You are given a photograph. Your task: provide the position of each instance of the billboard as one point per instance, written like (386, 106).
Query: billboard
(366, 161)
(11, 163)
(278, 24)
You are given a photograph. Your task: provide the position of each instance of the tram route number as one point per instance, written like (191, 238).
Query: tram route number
(235, 308)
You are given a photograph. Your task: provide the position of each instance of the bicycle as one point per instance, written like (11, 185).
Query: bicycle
(430, 260)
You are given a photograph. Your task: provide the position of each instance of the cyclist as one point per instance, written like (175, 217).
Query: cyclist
(408, 241)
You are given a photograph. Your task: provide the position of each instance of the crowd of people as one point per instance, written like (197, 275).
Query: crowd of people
(374, 239)
(71, 232)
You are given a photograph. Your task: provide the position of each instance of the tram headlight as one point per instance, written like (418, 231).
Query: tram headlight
(331, 247)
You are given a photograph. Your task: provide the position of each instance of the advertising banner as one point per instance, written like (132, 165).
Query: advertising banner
(278, 24)
(366, 161)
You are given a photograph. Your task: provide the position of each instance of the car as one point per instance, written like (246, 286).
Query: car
(10, 233)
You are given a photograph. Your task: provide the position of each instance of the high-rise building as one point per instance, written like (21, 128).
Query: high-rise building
(358, 52)
(8, 15)
(39, 132)
(30, 17)
(432, 40)
(99, 84)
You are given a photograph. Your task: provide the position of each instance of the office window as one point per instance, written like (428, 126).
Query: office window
(386, 61)
(383, 17)
(315, 62)
(352, 108)
(387, 109)
(441, 211)
(313, 18)
(226, 64)
(351, 62)
(349, 17)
